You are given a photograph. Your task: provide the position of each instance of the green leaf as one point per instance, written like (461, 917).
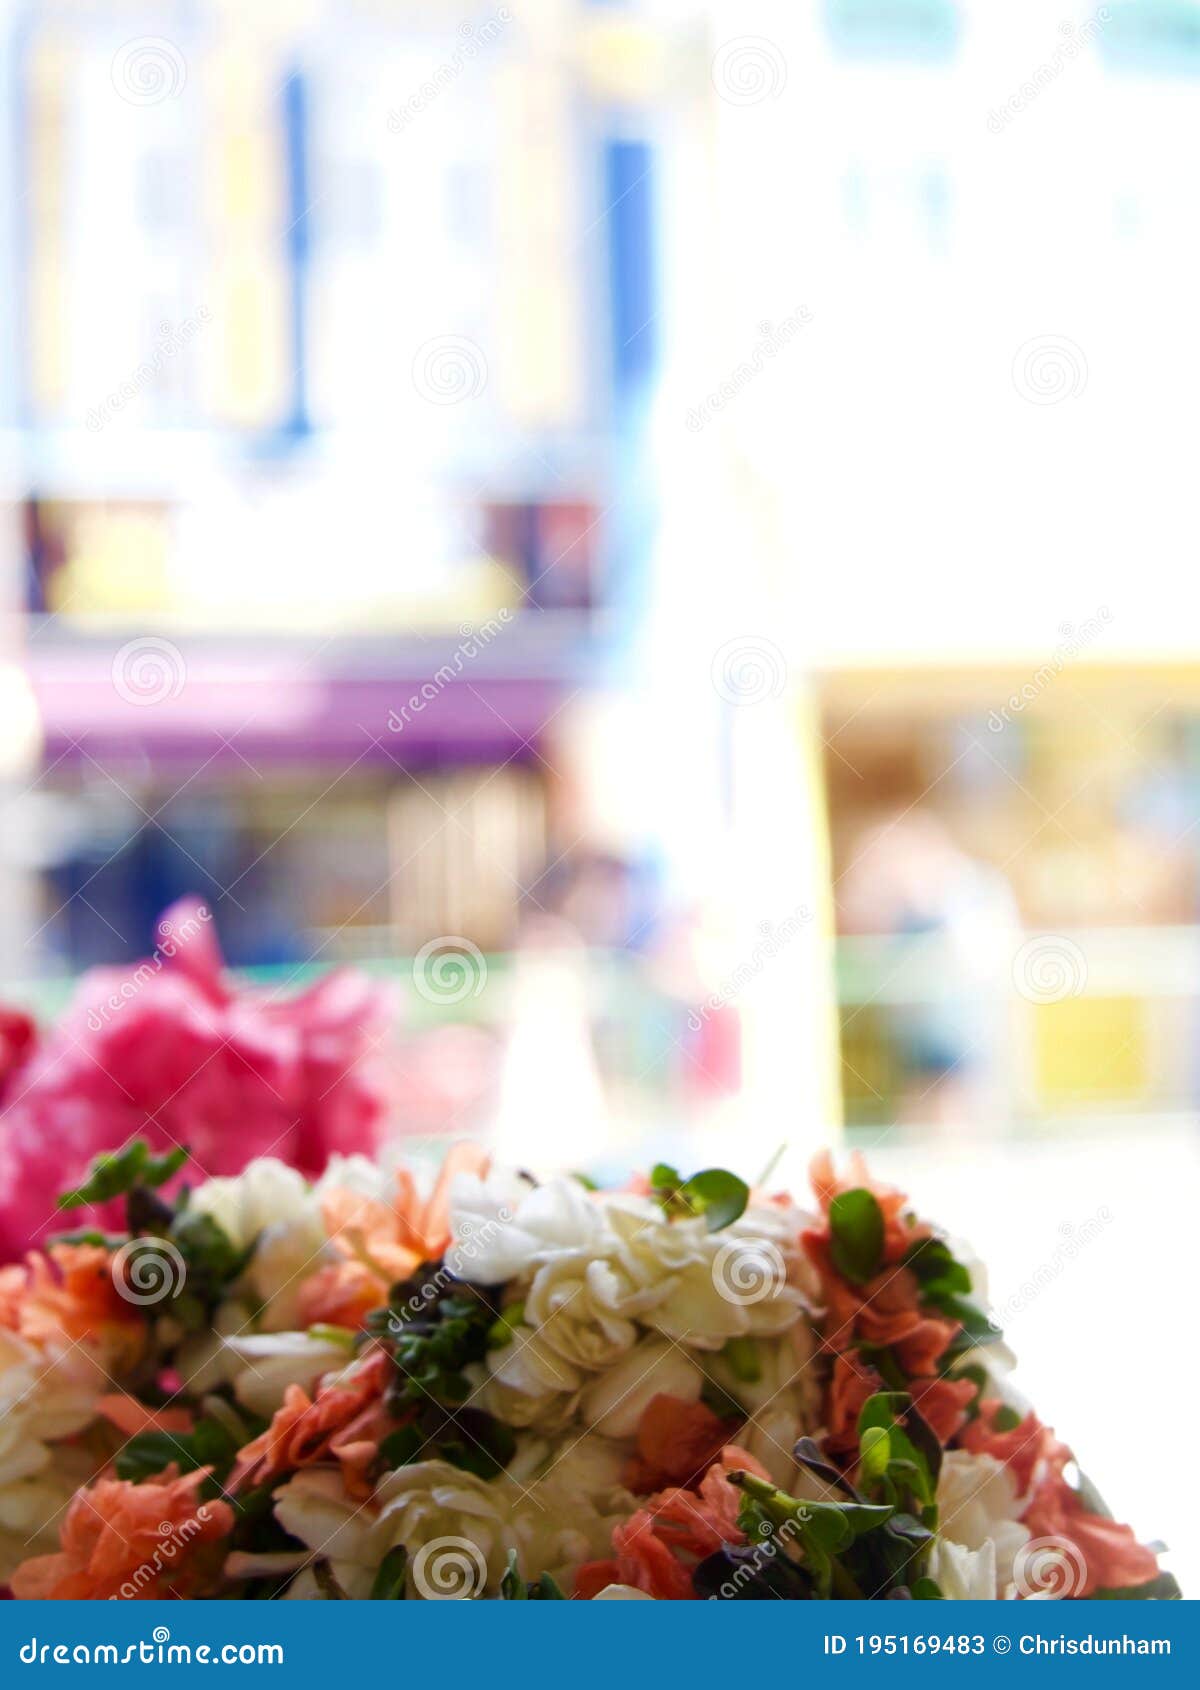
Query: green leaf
(856, 1228)
(915, 1455)
(392, 1578)
(208, 1444)
(715, 1193)
(118, 1171)
(932, 1260)
(1005, 1419)
(718, 1195)
(513, 1587)
(977, 1326)
(926, 1590)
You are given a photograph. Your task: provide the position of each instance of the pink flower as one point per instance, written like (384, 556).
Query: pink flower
(171, 1051)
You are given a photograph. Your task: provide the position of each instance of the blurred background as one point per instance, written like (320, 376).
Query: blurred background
(665, 530)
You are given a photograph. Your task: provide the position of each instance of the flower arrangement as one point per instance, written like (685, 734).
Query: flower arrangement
(173, 1050)
(367, 1387)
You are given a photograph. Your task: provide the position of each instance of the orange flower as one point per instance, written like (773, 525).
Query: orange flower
(675, 1523)
(131, 1417)
(344, 1422)
(943, 1404)
(642, 1560)
(69, 1290)
(1110, 1554)
(695, 1523)
(676, 1442)
(340, 1294)
(390, 1241)
(131, 1541)
(851, 1383)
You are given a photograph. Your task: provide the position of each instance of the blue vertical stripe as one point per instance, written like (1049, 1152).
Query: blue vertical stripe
(298, 242)
(628, 205)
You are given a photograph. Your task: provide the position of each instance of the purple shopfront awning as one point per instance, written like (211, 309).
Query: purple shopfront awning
(410, 703)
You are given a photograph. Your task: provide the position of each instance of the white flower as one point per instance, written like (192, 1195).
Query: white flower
(526, 1383)
(613, 1403)
(45, 1395)
(577, 1305)
(704, 1298)
(502, 1227)
(978, 1506)
(962, 1574)
(272, 1207)
(566, 1515)
(270, 1362)
(266, 1193)
(622, 1593)
(455, 1527)
(314, 1507)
